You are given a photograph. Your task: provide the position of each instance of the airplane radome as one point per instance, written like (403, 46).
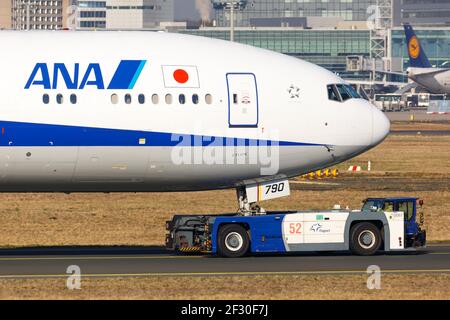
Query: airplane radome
(150, 111)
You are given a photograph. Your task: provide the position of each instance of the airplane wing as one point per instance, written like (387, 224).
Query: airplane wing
(406, 88)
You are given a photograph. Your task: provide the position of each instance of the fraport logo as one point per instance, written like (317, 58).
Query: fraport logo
(125, 76)
(317, 227)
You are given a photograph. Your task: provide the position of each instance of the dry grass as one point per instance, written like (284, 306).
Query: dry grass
(235, 288)
(417, 154)
(420, 126)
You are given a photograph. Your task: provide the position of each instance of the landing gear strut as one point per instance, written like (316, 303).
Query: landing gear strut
(247, 208)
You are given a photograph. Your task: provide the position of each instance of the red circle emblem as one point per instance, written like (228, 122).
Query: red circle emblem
(181, 76)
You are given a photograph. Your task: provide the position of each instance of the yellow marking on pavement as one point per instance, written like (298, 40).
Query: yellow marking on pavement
(266, 273)
(99, 258)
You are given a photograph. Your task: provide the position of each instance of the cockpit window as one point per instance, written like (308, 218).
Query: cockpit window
(342, 92)
(363, 95)
(352, 91)
(332, 93)
(345, 95)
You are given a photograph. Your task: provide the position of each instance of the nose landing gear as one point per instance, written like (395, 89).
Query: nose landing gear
(249, 194)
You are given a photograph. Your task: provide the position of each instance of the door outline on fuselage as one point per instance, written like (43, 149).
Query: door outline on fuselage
(252, 125)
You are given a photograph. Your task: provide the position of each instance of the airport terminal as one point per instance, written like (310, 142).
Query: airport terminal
(245, 149)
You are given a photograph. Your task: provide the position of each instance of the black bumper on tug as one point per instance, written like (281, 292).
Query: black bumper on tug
(421, 238)
(418, 240)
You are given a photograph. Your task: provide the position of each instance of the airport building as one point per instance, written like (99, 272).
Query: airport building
(135, 14)
(91, 14)
(286, 12)
(329, 32)
(33, 14)
(327, 48)
(422, 12)
(5, 15)
(138, 14)
(331, 47)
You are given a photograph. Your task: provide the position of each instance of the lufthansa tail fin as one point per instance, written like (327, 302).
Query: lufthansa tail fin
(417, 56)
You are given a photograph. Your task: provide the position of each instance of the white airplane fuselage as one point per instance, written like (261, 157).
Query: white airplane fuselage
(73, 115)
(436, 80)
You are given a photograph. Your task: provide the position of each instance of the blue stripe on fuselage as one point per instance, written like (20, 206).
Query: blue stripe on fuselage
(24, 134)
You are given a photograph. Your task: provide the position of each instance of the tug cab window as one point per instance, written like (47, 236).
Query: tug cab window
(407, 208)
(388, 206)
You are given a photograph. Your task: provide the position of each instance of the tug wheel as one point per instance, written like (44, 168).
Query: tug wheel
(365, 239)
(233, 241)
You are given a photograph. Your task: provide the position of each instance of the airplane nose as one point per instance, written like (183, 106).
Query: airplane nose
(381, 126)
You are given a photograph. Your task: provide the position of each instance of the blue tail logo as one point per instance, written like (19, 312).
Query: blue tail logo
(417, 56)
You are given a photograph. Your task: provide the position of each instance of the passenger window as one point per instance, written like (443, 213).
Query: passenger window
(141, 99)
(332, 93)
(208, 99)
(46, 98)
(73, 98)
(168, 98)
(59, 98)
(127, 98)
(195, 99)
(345, 95)
(114, 98)
(182, 99)
(155, 99)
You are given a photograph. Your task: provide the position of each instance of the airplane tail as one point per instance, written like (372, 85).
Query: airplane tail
(417, 56)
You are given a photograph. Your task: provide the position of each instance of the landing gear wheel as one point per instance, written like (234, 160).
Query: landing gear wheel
(232, 241)
(365, 239)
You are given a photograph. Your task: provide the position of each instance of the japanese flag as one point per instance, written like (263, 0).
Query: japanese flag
(181, 77)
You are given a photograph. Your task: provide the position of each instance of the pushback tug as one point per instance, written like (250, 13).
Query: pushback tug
(382, 224)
